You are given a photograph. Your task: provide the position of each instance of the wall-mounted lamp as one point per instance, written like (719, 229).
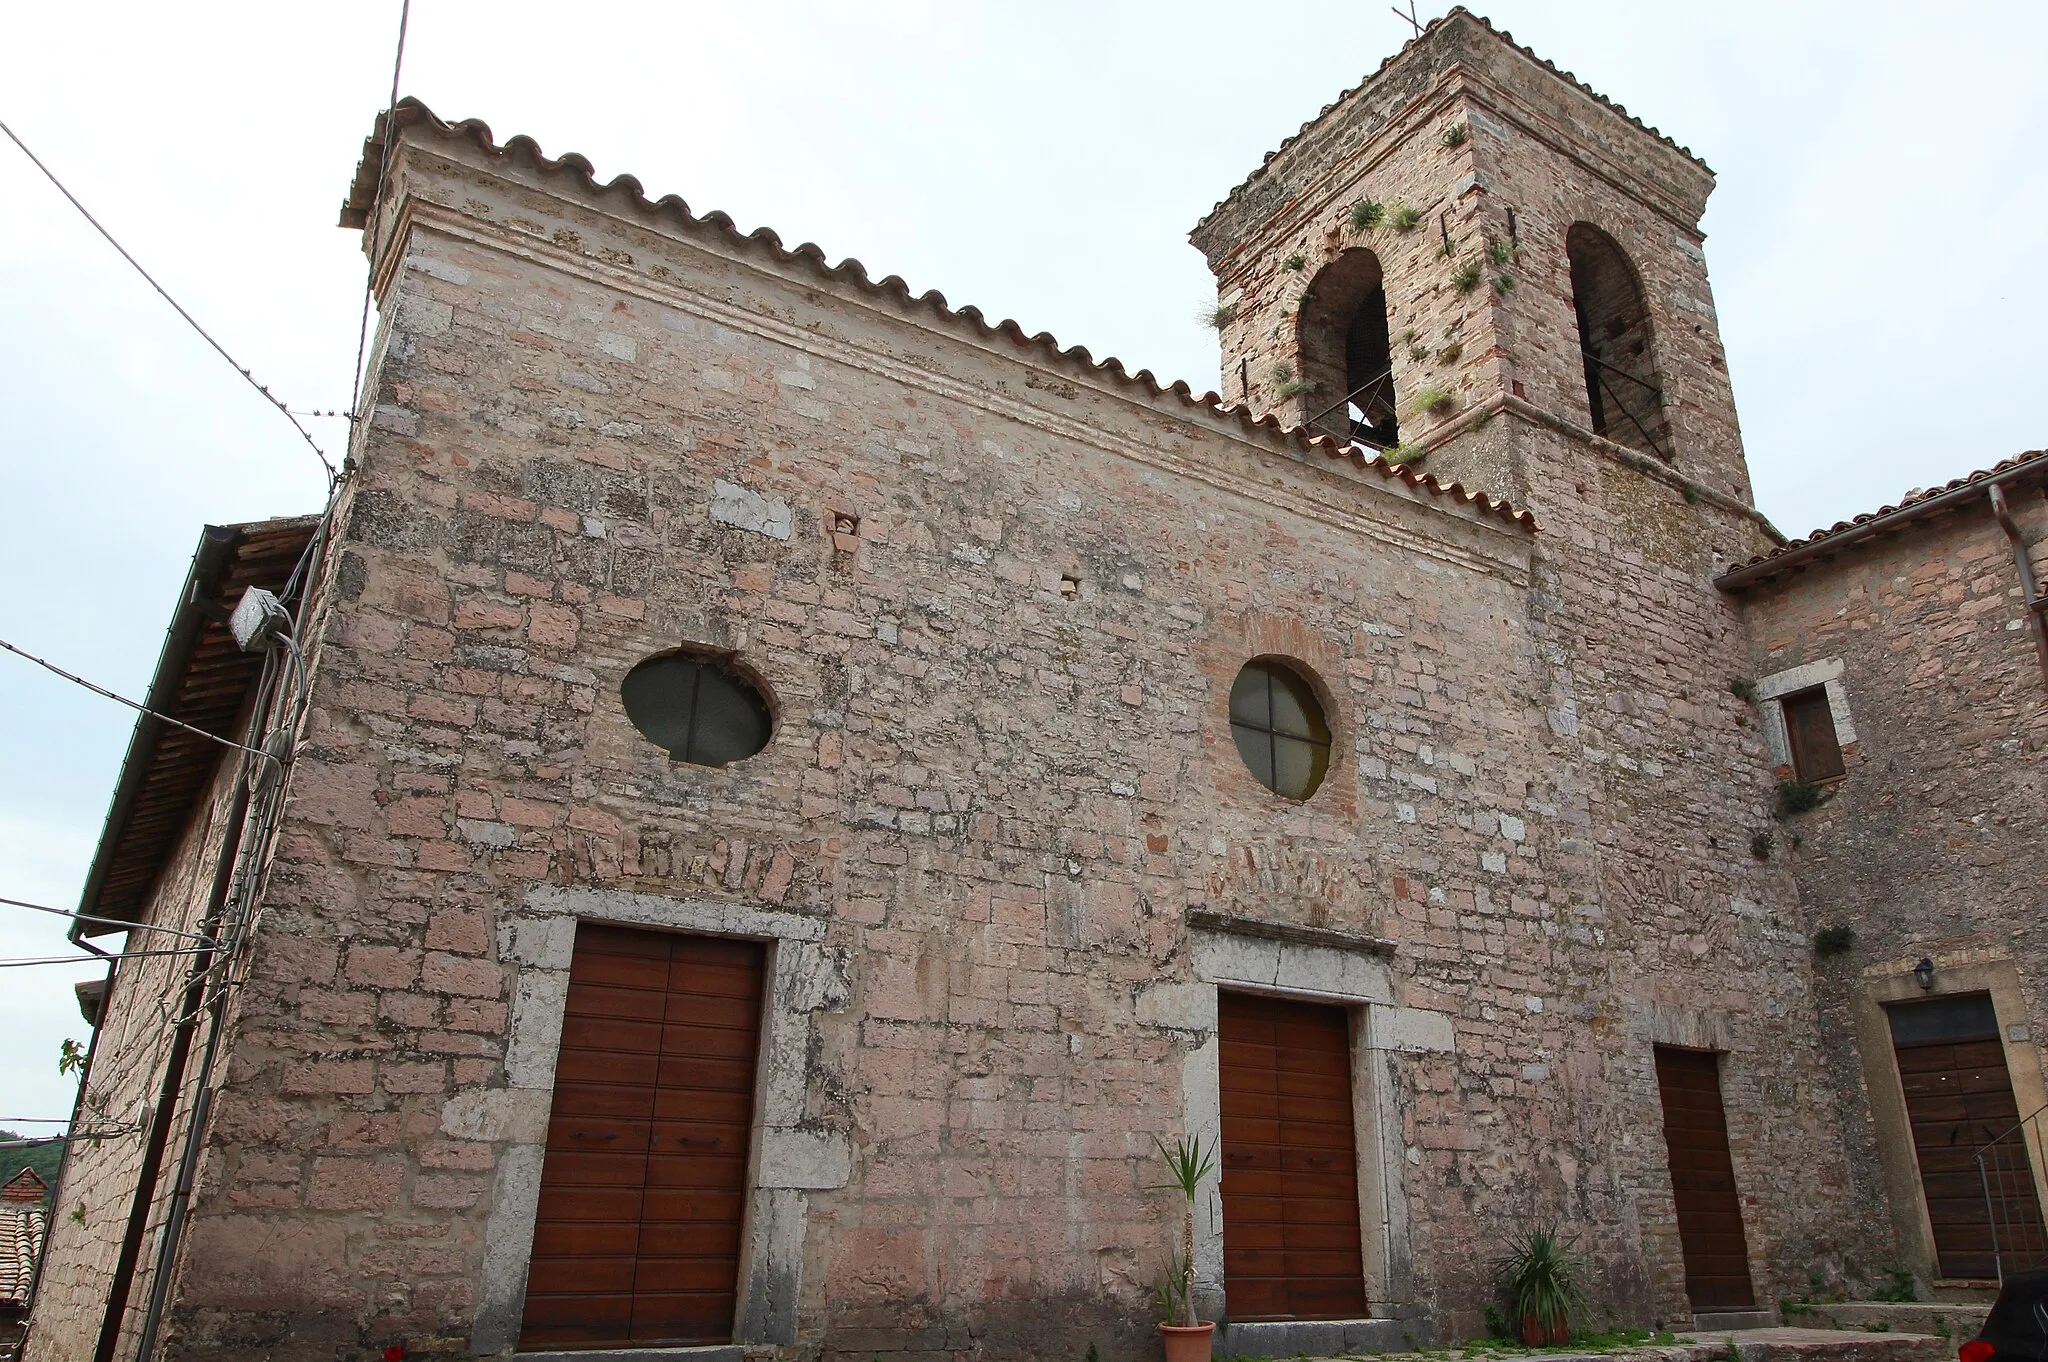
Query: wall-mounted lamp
(1923, 974)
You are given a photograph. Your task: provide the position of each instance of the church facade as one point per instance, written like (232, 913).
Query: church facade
(802, 790)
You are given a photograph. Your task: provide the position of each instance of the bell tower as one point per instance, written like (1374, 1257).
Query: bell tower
(1477, 266)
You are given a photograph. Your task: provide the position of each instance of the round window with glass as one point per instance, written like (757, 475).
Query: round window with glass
(1280, 727)
(697, 708)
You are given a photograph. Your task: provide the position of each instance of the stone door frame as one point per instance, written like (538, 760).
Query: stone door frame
(787, 1158)
(1964, 971)
(1319, 966)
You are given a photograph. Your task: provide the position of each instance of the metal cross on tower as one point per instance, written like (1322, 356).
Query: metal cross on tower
(1409, 18)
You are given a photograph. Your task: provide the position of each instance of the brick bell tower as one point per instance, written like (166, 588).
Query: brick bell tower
(1481, 267)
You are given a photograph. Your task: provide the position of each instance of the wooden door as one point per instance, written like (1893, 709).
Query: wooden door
(1290, 1161)
(1703, 1181)
(644, 1186)
(1958, 1100)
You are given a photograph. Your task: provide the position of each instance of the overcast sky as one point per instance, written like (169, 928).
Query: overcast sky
(1875, 247)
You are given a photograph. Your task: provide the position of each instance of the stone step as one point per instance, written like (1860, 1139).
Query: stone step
(1957, 1319)
(1722, 1345)
(722, 1352)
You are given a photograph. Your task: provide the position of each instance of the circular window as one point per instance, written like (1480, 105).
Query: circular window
(696, 708)
(1279, 727)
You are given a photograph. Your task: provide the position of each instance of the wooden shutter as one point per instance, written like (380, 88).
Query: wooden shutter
(1290, 1164)
(644, 1186)
(1810, 726)
(1703, 1181)
(1959, 1099)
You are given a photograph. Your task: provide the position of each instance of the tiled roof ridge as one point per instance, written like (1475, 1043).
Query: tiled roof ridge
(1905, 504)
(1401, 52)
(412, 112)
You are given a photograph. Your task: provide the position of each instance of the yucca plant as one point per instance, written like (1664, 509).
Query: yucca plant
(1543, 1278)
(1188, 1166)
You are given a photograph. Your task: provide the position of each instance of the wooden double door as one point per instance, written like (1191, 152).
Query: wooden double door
(1703, 1190)
(643, 1191)
(1959, 1102)
(1291, 1247)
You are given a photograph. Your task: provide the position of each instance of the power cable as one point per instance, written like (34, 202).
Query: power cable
(97, 958)
(122, 699)
(355, 401)
(108, 921)
(164, 293)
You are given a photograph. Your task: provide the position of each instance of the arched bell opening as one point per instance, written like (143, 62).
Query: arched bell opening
(1623, 392)
(1347, 354)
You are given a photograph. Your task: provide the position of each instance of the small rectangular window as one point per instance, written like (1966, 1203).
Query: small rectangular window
(1810, 726)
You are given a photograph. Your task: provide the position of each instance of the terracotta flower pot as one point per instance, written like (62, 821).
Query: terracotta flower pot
(1187, 1345)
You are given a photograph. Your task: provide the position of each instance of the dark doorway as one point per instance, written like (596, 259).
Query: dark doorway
(1347, 353)
(1291, 1248)
(1959, 1100)
(1703, 1181)
(644, 1187)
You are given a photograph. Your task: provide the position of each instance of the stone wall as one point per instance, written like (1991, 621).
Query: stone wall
(1931, 845)
(98, 1187)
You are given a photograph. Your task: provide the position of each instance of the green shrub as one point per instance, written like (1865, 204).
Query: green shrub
(1296, 262)
(1218, 316)
(1367, 214)
(1405, 217)
(1760, 846)
(1742, 688)
(1797, 796)
(1432, 400)
(1834, 940)
(1455, 135)
(1899, 1286)
(1466, 277)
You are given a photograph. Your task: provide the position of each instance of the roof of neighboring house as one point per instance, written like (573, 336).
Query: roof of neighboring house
(202, 679)
(23, 1225)
(1455, 12)
(521, 150)
(1844, 535)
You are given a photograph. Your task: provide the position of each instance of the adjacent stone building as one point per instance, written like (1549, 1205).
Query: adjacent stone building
(800, 790)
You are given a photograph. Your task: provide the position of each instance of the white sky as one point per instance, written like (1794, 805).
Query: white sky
(1874, 244)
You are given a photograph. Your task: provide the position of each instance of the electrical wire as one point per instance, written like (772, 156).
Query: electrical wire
(108, 921)
(122, 699)
(164, 293)
(96, 958)
(355, 401)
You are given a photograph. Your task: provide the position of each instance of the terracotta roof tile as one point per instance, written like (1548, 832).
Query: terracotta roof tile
(1904, 509)
(411, 113)
(1378, 71)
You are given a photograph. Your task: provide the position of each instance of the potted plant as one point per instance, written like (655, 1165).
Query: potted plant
(1544, 1281)
(1186, 1336)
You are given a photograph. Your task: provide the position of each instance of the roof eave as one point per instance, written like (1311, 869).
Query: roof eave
(216, 544)
(1828, 544)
